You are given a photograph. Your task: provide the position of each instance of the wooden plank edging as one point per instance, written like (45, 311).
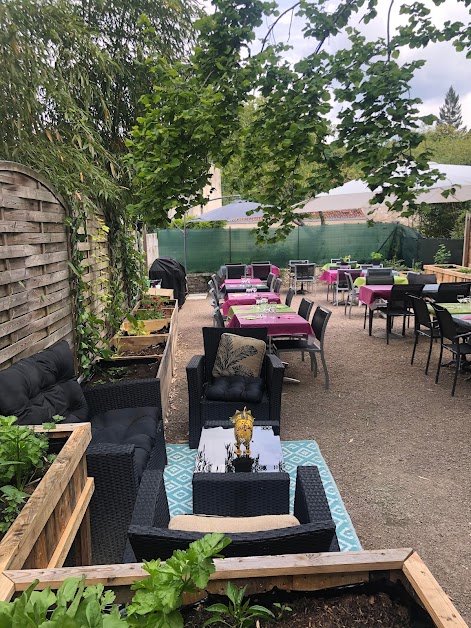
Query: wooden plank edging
(433, 597)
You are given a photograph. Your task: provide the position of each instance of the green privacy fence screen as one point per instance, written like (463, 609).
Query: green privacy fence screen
(208, 249)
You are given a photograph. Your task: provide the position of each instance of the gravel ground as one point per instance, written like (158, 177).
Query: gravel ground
(397, 444)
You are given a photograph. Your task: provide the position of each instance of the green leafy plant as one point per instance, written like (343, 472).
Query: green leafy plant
(158, 598)
(23, 453)
(282, 609)
(239, 614)
(135, 327)
(396, 264)
(73, 606)
(149, 315)
(345, 259)
(442, 256)
(376, 256)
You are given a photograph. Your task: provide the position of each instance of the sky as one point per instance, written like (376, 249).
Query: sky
(444, 66)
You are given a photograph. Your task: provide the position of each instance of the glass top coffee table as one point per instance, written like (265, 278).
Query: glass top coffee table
(220, 489)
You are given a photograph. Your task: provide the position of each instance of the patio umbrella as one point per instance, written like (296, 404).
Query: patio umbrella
(235, 211)
(356, 194)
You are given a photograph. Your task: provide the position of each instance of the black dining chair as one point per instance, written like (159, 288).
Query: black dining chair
(398, 305)
(235, 271)
(289, 296)
(451, 340)
(449, 292)
(424, 326)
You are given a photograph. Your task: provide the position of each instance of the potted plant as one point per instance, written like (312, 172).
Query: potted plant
(40, 521)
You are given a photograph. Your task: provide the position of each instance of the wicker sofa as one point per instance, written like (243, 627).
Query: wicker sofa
(199, 376)
(127, 434)
(151, 538)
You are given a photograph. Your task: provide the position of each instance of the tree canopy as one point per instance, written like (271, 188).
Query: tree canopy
(193, 116)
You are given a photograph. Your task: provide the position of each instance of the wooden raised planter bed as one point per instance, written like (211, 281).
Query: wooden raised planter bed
(296, 572)
(167, 359)
(448, 272)
(55, 515)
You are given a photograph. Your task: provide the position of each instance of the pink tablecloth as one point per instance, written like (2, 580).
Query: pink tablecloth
(246, 298)
(369, 294)
(330, 276)
(274, 269)
(278, 324)
(237, 282)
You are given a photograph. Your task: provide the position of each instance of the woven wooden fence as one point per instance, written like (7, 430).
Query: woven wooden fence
(36, 304)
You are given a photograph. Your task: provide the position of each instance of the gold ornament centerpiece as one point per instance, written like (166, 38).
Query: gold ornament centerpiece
(243, 430)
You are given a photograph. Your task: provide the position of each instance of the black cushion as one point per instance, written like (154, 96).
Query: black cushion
(128, 426)
(235, 388)
(36, 388)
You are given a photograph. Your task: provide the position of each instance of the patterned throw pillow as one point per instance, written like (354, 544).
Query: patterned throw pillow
(239, 355)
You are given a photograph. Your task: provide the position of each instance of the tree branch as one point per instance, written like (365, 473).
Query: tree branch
(296, 4)
(388, 34)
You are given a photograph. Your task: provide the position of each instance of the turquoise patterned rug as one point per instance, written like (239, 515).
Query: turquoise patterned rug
(179, 471)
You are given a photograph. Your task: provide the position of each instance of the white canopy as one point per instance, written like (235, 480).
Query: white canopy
(356, 194)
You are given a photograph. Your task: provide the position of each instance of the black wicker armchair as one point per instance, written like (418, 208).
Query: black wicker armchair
(199, 375)
(127, 434)
(151, 538)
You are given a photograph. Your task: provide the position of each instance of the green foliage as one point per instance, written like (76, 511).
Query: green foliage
(22, 453)
(158, 597)
(447, 145)
(155, 603)
(443, 220)
(396, 264)
(450, 113)
(281, 146)
(72, 74)
(177, 223)
(73, 606)
(376, 256)
(442, 256)
(239, 614)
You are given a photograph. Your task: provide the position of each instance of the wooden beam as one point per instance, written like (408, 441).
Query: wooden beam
(227, 569)
(70, 532)
(432, 596)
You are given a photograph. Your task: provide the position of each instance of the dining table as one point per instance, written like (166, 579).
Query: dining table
(256, 309)
(330, 276)
(370, 293)
(278, 323)
(246, 298)
(237, 285)
(399, 279)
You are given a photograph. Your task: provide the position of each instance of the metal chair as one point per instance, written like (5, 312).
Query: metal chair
(448, 292)
(277, 285)
(379, 272)
(448, 331)
(335, 260)
(353, 292)
(235, 271)
(289, 296)
(424, 326)
(423, 278)
(304, 274)
(218, 318)
(270, 281)
(291, 265)
(380, 280)
(305, 308)
(398, 305)
(261, 271)
(313, 344)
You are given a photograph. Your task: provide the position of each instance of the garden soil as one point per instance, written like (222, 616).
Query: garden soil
(397, 444)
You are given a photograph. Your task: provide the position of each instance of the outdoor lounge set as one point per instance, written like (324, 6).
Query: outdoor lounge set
(129, 512)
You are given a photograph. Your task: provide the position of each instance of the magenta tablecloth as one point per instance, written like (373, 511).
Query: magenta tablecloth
(330, 276)
(237, 282)
(277, 324)
(247, 298)
(274, 269)
(369, 294)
